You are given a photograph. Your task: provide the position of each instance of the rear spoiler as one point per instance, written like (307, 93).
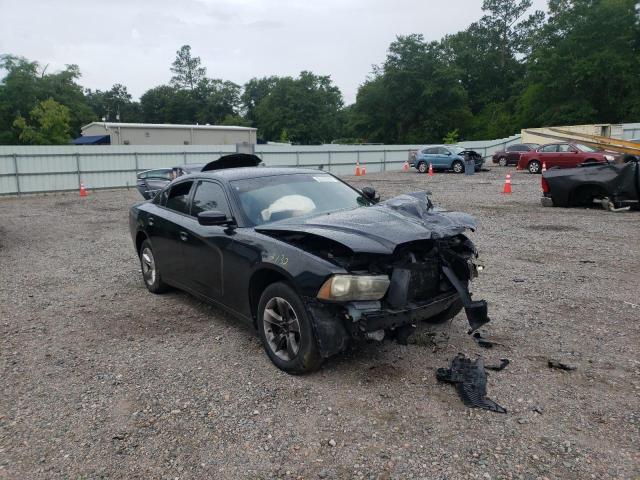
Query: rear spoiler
(235, 160)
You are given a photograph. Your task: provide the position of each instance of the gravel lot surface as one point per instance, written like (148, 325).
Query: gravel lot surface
(101, 379)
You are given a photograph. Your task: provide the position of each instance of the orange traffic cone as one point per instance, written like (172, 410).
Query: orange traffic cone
(544, 166)
(507, 184)
(405, 167)
(431, 169)
(83, 190)
(364, 170)
(358, 172)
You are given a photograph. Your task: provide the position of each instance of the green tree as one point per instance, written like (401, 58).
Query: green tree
(255, 90)
(114, 105)
(307, 108)
(49, 124)
(488, 57)
(187, 72)
(585, 67)
(26, 84)
(415, 96)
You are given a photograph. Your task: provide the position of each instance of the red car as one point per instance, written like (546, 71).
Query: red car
(563, 155)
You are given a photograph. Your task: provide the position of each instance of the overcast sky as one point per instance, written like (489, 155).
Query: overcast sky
(134, 42)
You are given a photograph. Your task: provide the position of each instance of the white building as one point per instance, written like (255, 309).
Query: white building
(166, 134)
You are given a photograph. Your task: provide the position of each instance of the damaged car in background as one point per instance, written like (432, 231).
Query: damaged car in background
(613, 186)
(310, 262)
(150, 182)
(445, 157)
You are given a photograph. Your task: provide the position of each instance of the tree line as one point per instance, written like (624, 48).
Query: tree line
(509, 70)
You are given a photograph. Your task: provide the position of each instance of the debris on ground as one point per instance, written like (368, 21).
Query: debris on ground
(470, 379)
(560, 365)
(483, 341)
(503, 363)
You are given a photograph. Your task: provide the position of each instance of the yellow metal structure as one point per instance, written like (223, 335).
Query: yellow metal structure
(607, 143)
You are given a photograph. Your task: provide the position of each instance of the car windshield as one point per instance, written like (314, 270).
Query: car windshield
(456, 150)
(269, 199)
(585, 148)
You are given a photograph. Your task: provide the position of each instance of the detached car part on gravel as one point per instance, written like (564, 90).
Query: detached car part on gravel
(312, 263)
(612, 185)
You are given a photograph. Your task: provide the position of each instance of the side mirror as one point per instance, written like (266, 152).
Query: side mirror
(213, 217)
(448, 153)
(370, 194)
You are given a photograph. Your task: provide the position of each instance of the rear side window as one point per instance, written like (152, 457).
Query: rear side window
(549, 148)
(517, 148)
(163, 173)
(431, 151)
(209, 196)
(178, 198)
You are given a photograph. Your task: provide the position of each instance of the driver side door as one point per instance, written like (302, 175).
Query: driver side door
(204, 246)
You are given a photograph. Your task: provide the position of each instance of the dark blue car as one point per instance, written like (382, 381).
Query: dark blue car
(445, 157)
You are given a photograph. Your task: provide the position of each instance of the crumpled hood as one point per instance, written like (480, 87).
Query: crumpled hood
(380, 228)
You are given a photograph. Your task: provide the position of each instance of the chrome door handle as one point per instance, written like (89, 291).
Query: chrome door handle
(183, 236)
(150, 221)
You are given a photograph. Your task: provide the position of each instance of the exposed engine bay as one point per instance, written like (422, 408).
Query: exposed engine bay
(428, 260)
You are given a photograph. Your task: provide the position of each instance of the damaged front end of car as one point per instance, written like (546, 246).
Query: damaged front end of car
(405, 262)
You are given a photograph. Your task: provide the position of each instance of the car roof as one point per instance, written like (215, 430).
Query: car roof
(230, 174)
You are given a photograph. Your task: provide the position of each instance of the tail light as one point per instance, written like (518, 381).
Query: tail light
(545, 185)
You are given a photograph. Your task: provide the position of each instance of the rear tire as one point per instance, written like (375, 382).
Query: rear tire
(534, 166)
(584, 196)
(150, 272)
(422, 167)
(457, 166)
(286, 331)
(502, 161)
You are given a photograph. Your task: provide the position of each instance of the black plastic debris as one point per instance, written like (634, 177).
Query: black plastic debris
(483, 341)
(560, 365)
(470, 379)
(503, 364)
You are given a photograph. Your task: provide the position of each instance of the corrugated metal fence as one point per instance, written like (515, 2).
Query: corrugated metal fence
(31, 169)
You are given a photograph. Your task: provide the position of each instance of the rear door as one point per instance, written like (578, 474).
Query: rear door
(204, 246)
(548, 155)
(513, 153)
(430, 156)
(442, 158)
(165, 231)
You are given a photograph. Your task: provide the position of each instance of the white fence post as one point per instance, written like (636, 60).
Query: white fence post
(15, 168)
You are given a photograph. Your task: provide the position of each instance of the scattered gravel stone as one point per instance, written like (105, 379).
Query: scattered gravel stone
(84, 346)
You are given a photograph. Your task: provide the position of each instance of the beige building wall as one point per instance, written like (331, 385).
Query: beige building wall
(600, 129)
(124, 134)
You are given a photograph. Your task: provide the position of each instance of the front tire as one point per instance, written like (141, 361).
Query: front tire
(534, 166)
(286, 331)
(150, 273)
(457, 166)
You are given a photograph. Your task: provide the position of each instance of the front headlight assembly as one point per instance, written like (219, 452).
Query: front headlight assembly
(347, 288)
(609, 158)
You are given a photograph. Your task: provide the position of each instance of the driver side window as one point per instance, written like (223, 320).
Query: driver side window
(209, 196)
(549, 148)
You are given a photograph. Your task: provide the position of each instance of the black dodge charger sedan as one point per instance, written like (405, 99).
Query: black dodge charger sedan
(311, 262)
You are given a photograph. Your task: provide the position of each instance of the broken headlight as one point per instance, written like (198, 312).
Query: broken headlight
(354, 287)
